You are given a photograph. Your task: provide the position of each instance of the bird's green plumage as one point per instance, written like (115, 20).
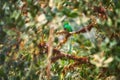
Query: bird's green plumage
(67, 27)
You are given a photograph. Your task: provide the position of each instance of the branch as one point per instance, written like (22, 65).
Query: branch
(83, 30)
(68, 34)
(61, 55)
(50, 51)
(57, 54)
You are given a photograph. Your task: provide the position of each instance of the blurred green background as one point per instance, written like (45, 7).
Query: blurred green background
(24, 24)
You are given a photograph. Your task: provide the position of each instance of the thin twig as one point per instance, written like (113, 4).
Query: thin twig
(83, 30)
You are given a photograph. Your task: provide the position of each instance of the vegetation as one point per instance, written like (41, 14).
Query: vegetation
(59, 39)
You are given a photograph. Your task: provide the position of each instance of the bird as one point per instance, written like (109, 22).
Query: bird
(67, 27)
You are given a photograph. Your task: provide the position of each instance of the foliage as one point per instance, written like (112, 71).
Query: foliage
(26, 40)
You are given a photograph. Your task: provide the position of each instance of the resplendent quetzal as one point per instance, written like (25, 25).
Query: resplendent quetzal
(67, 27)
